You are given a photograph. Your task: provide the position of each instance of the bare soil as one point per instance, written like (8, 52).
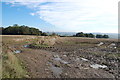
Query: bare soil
(70, 57)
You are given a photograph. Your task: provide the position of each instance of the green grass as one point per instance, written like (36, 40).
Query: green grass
(0, 67)
(69, 42)
(116, 55)
(78, 43)
(94, 53)
(39, 45)
(108, 55)
(12, 67)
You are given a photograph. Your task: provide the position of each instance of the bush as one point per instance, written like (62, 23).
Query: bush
(81, 34)
(90, 35)
(102, 36)
(99, 36)
(105, 36)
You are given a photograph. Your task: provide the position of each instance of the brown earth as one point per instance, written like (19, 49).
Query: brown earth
(67, 57)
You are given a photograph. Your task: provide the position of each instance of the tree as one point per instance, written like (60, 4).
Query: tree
(99, 36)
(81, 34)
(44, 34)
(1, 30)
(15, 25)
(86, 35)
(54, 34)
(21, 30)
(102, 36)
(105, 36)
(91, 35)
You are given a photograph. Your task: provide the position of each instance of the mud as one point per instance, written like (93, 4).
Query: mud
(86, 54)
(71, 58)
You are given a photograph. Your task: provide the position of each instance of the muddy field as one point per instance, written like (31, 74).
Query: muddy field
(67, 57)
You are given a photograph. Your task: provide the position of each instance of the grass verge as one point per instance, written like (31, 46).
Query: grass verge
(12, 67)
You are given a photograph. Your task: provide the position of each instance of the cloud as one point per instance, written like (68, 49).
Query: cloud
(73, 14)
(32, 14)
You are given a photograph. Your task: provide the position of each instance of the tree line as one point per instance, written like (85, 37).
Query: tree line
(21, 30)
(90, 35)
(26, 30)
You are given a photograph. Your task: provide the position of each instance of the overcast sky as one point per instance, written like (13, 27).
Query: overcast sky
(63, 15)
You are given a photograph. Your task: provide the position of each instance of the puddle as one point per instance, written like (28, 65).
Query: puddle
(64, 62)
(101, 43)
(57, 58)
(115, 47)
(77, 59)
(26, 46)
(96, 66)
(17, 51)
(84, 59)
(65, 55)
(113, 44)
(56, 70)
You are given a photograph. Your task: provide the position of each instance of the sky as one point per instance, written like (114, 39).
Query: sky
(62, 15)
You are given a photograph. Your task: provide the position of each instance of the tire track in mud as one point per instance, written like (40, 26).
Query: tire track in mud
(63, 61)
(47, 64)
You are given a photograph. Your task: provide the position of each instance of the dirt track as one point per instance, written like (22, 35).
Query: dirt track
(38, 65)
(70, 58)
